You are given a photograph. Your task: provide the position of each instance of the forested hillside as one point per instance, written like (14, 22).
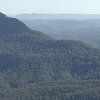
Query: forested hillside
(34, 66)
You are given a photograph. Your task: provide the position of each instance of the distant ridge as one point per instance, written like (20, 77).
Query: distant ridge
(57, 16)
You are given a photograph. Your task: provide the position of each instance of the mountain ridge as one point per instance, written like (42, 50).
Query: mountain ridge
(13, 25)
(57, 16)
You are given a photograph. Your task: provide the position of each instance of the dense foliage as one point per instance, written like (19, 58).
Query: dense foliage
(34, 66)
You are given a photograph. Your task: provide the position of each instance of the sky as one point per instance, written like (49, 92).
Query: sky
(50, 6)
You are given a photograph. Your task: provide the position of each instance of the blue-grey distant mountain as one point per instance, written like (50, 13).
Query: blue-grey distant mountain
(57, 16)
(84, 27)
(87, 30)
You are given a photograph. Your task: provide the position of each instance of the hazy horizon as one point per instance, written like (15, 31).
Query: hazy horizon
(50, 6)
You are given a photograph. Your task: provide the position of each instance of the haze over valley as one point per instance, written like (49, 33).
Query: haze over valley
(83, 27)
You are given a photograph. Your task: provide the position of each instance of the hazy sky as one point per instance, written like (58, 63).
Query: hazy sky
(49, 6)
